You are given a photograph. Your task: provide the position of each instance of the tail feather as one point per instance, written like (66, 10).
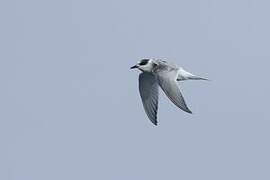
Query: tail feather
(184, 75)
(198, 78)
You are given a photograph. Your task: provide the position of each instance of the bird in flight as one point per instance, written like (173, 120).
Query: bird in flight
(157, 73)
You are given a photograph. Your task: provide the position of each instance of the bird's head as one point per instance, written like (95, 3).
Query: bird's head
(145, 65)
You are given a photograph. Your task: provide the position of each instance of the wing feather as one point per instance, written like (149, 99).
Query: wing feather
(148, 88)
(168, 83)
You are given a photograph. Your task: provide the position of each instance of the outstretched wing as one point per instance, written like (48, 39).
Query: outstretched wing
(168, 83)
(148, 87)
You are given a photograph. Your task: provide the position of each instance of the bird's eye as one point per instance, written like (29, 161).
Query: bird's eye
(144, 62)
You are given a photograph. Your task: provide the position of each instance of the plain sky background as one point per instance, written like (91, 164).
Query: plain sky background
(70, 106)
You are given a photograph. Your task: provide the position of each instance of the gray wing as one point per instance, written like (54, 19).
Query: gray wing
(148, 87)
(168, 83)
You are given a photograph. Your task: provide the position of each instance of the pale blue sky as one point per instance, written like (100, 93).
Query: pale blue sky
(70, 106)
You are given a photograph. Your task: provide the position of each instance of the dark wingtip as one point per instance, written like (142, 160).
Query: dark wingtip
(154, 121)
(188, 111)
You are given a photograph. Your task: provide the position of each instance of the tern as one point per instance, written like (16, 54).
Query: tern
(155, 73)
